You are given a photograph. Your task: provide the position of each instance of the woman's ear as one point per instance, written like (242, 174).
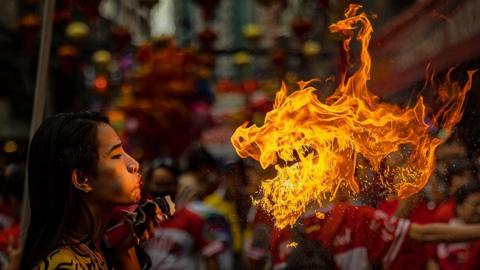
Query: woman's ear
(80, 181)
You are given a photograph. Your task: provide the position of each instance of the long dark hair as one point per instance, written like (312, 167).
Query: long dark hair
(63, 143)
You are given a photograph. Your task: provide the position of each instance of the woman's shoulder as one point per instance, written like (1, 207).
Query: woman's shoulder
(67, 257)
(58, 258)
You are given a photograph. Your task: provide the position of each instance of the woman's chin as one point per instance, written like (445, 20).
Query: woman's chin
(132, 199)
(134, 196)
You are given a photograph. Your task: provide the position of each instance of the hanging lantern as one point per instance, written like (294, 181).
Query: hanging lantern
(252, 32)
(77, 31)
(67, 58)
(242, 58)
(311, 48)
(29, 23)
(66, 52)
(208, 8)
(121, 36)
(29, 28)
(301, 26)
(278, 57)
(207, 37)
(102, 58)
(100, 83)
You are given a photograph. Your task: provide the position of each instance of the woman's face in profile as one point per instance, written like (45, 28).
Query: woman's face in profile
(117, 181)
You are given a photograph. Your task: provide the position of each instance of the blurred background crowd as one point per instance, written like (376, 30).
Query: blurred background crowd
(176, 77)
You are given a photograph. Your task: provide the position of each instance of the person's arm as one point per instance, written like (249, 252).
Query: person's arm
(127, 259)
(439, 232)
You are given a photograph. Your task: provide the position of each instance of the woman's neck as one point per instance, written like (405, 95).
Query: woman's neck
(101, 216)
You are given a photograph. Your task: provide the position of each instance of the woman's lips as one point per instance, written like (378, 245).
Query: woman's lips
(138, 183)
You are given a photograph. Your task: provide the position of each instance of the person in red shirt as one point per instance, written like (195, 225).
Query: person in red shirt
(422, 211)
(473, 262)
(197, 236)
(360, 237)
(357, 236)
(455, 255)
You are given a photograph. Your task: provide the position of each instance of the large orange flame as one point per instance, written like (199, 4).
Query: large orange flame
(315, 145)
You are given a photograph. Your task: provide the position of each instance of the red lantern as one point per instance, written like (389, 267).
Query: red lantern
(29, 23)
(207, 37)
(121, 36)
(67, 58)
(29, 27)
(301, 26)
(100, 83)
(278, 57)
(67, 52)
(208, 8)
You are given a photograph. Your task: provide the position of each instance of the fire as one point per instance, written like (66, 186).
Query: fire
(314, 145)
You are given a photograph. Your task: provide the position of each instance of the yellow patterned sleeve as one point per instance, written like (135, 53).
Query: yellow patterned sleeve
(65, 258)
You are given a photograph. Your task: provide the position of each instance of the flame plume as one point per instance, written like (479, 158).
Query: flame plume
(314, 146)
